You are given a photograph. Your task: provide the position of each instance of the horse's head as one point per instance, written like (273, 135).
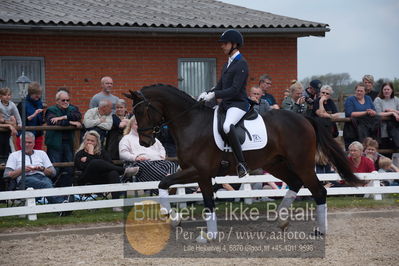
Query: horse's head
(149, 117)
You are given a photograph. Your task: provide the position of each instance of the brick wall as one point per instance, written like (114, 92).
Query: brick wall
(78, 62)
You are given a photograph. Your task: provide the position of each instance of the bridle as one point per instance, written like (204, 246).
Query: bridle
(157, 127)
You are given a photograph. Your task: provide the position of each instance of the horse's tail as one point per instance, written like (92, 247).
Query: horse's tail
(333, 152)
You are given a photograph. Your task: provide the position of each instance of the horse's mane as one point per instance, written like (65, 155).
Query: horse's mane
(184, 98)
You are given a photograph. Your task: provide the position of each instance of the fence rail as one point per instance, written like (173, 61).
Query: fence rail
(246, 192)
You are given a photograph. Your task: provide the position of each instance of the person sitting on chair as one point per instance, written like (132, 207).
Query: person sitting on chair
(231, 94)
(96, 164)
(150, 160)
(38, 168)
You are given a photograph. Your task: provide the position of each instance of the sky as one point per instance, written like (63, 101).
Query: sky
(363, 36)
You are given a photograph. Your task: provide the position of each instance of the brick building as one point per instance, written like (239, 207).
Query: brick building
(74, 43)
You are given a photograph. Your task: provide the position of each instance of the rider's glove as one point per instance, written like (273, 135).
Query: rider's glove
(202, 96)
(209, 96)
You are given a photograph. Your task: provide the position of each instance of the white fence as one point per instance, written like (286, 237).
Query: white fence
(246, 191)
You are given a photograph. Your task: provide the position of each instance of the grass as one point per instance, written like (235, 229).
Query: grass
(108, 216)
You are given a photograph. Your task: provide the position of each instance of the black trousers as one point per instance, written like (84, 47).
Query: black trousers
(103, 172)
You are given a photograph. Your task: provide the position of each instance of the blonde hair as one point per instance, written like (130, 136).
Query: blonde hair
(295, 85)
(369, 78)
(128, 128)
(97, 148)
(384, 162)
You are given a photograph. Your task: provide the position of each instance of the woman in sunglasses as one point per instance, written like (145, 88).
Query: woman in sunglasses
(324, 106)
(60, 142)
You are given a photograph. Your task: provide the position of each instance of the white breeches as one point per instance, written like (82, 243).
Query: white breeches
(233, 115)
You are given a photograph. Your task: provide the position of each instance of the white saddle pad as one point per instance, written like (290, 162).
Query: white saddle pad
(256, 128)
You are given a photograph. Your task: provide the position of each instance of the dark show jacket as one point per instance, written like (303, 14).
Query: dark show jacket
(231, 86)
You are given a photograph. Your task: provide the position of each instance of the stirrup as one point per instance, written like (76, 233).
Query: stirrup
(242, 170)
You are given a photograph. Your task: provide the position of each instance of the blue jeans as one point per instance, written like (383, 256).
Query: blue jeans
(65, 154)
(38, 181)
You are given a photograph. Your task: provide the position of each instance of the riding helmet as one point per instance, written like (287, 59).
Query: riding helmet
(232, 36)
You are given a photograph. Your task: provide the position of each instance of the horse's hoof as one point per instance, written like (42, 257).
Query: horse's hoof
(175, 219)
(283, 224)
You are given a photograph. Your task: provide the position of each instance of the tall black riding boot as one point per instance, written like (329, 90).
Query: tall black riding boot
(236, 147)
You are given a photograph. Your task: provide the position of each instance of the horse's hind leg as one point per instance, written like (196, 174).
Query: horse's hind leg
(283, 172)
(319, 194)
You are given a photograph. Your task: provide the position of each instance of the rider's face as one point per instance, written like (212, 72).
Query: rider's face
(226, 47)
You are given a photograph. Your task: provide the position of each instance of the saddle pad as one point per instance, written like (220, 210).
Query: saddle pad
(256, 128)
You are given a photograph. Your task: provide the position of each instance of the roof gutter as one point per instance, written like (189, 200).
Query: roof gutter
(300, 31)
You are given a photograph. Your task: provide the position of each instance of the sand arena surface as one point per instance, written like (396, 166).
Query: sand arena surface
(369, 239)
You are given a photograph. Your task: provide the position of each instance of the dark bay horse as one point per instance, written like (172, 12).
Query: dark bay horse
(289, 154)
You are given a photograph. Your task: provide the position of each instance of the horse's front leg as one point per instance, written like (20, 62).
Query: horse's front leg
(210, 215)
(185, 176)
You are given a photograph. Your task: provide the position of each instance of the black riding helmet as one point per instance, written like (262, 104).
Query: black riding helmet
(232, 36)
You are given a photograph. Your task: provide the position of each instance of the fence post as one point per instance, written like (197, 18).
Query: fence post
(31, 202)
(376, 183)
(246, 187)
(181, 191)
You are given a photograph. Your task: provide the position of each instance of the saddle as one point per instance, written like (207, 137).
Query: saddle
(240, 127)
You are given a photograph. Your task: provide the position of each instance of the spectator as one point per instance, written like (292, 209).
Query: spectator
(371, 151)
(265, 84)
(150, 160)
(37, 166)
(325, 108)
(360, 163)
(311, 93)
(387, 104)
(368, 81)
(60, 142)
(296, 101)
(361, 110)
(386, 166)
(261, 105)
(119, 122)
(9, 118)
(99, 119)
(96, 164)
(34, 113)
(105, 94)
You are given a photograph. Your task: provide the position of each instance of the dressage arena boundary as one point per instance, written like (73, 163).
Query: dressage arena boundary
(246, 192)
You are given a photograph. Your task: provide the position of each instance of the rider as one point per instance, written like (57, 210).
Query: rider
(231, 91)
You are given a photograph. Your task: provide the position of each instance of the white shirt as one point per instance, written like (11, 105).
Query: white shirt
(130, 149)
(92, 118)
(38, 158)
(231, 58)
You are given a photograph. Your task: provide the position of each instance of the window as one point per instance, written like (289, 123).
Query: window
(196, 75)
(11, 67)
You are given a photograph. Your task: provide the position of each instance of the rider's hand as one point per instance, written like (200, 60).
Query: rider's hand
(209, 96)
(202, 96)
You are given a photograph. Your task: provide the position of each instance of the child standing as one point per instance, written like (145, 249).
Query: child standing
(9, 118)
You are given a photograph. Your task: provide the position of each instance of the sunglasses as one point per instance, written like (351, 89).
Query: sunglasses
(65, 100)
(326, 93)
